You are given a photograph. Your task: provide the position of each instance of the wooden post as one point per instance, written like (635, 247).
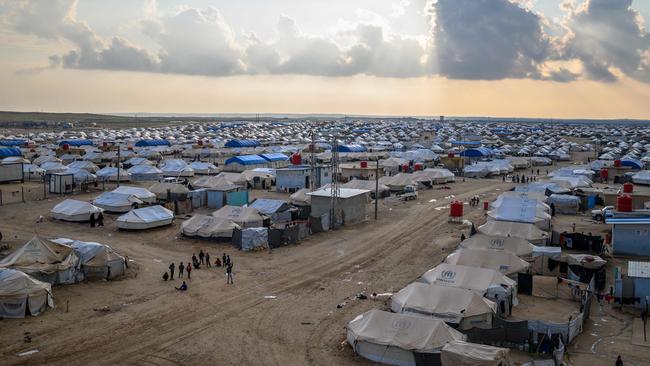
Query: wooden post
(22, 193)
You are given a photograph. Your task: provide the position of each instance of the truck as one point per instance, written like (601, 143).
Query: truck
(599, 214)
(410, 193)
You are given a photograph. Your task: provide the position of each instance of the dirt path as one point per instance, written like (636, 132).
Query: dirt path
(149, 323)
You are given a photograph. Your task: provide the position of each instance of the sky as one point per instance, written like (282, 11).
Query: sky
(510, 58)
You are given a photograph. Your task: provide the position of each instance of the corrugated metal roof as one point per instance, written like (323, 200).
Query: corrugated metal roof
(638, 269)
(344, 192)
(628, 221)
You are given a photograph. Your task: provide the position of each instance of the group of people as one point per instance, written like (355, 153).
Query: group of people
(197, 261)
(522, 178)
(475, 201)
(99, 221)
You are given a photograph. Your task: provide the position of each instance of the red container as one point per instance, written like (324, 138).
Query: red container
(486, 205)
(628, 188)
(456, 209)
(364, 164)
(624, 203)
(604, 174)
(66, 147)
(617, 163)
(418, 166)
(450, 155)
(405, 168)
(296, 159)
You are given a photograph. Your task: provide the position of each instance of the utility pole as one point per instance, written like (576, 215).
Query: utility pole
(118, 165)
(376, 187)
(312, 161)
(335, 191)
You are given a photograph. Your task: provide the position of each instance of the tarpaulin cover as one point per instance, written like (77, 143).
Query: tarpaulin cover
(73, 210)
(208, 227)
(518, 246)
(269, 206)
(502, 261)
(471, 278)
(21, 294)
(405, 331)
(252, 238)
(457, 353)
(142, 194)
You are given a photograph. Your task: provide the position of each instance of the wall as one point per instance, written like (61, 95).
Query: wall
(354, 209)
(292, 178)
(633, 240)
(641, 290)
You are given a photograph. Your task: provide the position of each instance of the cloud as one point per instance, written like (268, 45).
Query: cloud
(469, 39)
(608, 35)
(488, 39)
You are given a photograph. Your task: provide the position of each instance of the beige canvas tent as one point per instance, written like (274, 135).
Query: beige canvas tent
(98, 261)
(20, 294)
(459, 353)
(175, 190)
(518, 246)
(465, 308)
(208, 227)
(242, 216)
(45, 260)
(528, 232)
(394, 339)
(300, 197)
(504, 262)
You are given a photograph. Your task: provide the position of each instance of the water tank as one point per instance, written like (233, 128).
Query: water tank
(486, 205)
(418, 166)
(624, 203)
(604, 174)
(364, 164)
(456, 209)
(450, 155)
(405, 168)
(628, 188)
(66, 147)
(617, 163)
(296, 159)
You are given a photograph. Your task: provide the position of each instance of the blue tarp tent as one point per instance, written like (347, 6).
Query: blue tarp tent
(148, 143)
(6, 152)
(76, 142)
(351, 148)
(246, 160)
(479, 152)
(242, 143)
(274, 157)
(269, 206)
(633, 163)
(11, 143)
(466, 143)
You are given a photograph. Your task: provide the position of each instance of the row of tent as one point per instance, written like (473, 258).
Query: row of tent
(28, 273)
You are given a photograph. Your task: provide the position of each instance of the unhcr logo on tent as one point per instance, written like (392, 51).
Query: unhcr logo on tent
(497, 244)
(447, 275)
(401, 324)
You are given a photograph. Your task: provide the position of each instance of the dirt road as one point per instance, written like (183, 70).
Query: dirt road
(282, 309)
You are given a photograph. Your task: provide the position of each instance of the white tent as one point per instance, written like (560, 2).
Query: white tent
(176, 190)
(201, 167)
(208, 227)
(440, 175)
(394, 339)
(642, 177)
(145, 218)
(45, 260)
(465, 308)
(144, 172)
(110, 174)
(97, 260)
(458, 353)
(517, 246)
(88, 166)
(142, 194)
(502, 261)
(116, 202)
(21, 294)
(176, 168)
(242, 216)
(73, 210)
(525, 231)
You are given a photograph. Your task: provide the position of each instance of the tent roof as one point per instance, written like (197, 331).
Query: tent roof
(408, 332)
(40, 255)
(514, 229)
(147, 215)
(10, 151)
(443, 301)
(75, 207)
(269, 206)
(471, 278)
(459, 353)
(242, 143)
(76, 142)
(343, 192)
(274, 157)
(152, 142)
(502, 261)
(518, 246)
(246, 160)
(351, 148)
(16, 284)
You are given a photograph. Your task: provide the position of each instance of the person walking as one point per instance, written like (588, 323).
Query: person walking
(100, 219)
(189, 270)
(207, 259)
(201, 256)
(228, 260)
(223, 259)
(619, 362)
(171, 271)
(229, 274)
(92, 220)
(181, 267)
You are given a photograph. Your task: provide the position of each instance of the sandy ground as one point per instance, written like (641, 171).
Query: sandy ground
(282, 309)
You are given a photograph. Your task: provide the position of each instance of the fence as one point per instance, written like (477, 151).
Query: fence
(46, 187)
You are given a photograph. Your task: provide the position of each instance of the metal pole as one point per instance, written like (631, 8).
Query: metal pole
(118, 165)
(376, 187)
